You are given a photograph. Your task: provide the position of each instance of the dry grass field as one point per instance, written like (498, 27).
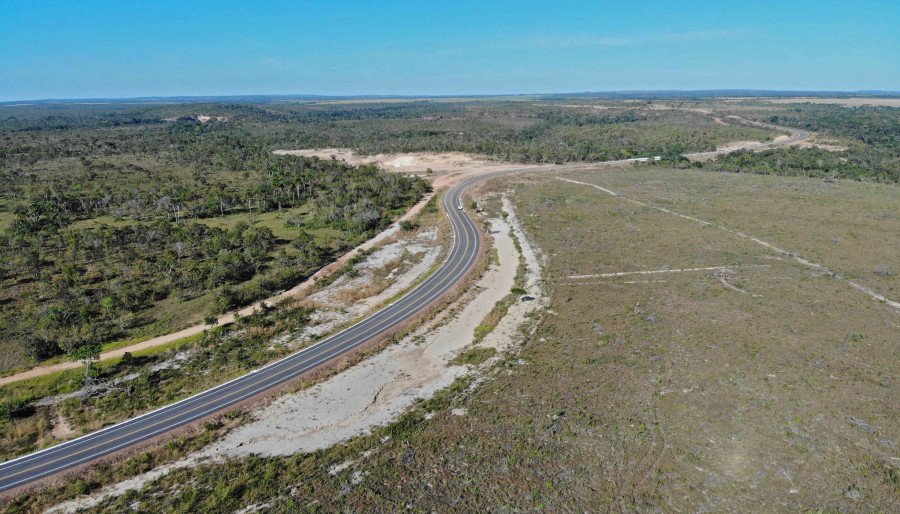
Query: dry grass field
(765, 385)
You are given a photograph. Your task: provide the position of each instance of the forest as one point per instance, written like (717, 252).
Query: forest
(871, 135)
(122, 226)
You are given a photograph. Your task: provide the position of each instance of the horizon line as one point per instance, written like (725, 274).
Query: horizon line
(647, 93)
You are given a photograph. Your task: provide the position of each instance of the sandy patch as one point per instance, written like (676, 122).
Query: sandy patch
(779, 141)
(813, 142)
(380, 388)
(407, 258)
(406, 162)
(448, 168)
(738, 145)
(753, 145)
(61, 427)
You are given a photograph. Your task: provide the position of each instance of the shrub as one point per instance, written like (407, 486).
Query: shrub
(408, 225)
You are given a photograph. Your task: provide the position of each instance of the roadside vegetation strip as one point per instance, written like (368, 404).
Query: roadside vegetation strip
(70, 380)
(171, 380)
(667, 270)
(127, 466)
(818, 267)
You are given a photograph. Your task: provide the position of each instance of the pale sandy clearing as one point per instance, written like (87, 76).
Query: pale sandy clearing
(407, 258)
(203, 118)
(449, 168)
(416, 162)
(738, 145)
(759, 146)
(813, 142)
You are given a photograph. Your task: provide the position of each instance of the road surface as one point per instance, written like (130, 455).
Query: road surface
(466, 245)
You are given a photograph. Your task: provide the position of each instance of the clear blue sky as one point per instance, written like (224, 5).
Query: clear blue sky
(90, 49)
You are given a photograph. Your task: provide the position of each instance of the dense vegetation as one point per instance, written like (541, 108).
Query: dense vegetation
(517, 132)
(872, 135)
(809, 162)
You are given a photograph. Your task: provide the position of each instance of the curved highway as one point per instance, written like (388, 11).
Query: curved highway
(98, 444)
(466, 245)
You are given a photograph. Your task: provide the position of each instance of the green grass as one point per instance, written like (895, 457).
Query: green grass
(6, 219)
(473, 356)
(67, 381)
(274, 220)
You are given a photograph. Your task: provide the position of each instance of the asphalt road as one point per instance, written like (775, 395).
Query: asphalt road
(98, 444)
(466, 245)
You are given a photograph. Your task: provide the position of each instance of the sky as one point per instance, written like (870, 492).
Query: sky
(120, 49)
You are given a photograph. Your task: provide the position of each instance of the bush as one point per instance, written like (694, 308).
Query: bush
(408, 225)
(473, 356)
(18, 408)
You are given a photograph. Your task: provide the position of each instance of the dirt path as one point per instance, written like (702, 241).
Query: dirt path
(229, 317)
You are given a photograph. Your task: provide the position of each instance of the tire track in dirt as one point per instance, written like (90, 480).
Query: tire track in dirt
(776, 249)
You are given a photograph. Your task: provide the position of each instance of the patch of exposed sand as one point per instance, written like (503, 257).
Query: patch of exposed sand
(405, 162)
(760, 146)
(813, 142)
(448, 167)
(380, 388)
(406, 258)
(203, 118)
(739, 145)
(61, 427)
(415, 162)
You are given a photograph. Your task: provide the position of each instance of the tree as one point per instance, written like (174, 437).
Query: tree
(88, 354)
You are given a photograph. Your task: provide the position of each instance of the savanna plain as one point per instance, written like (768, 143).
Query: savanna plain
(673, 333)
